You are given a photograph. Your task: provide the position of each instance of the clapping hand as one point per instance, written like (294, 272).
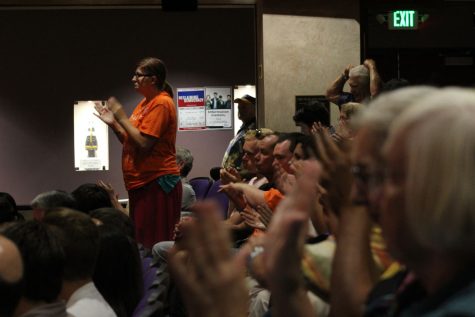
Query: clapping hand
(104, 113)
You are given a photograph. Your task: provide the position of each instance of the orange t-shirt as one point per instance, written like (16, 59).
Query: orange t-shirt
(156, 118)
(272, 197)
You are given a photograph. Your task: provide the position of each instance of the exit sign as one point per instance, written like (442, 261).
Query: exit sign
(403, 20)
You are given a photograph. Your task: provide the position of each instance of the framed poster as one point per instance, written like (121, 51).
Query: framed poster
(219, 108)
(91, 138)
(191, 109)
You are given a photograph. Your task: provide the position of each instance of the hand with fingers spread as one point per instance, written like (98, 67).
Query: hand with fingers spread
(210, 279)
(104, 113)
(113, 196)
(317, 127)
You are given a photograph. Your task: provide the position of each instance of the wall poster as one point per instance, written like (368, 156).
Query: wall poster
(219, 104)
(91, 138)
(191, 109)
(208, 108)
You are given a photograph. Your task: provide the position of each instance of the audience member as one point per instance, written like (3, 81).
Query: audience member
(8, 209)
(118, 271)
(184, 159)
(434, 210)
(284, 149)
(80, 240)
(364, 82)
(309, 115)
(346, 129)
(47, 201)
(361, 257)
(151, 174)
(116, 218)
(43, 264)
(247, 114)
(11, 277)
(91, 196)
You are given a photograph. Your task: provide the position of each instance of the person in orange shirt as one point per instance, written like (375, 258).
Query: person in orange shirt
(151, 175)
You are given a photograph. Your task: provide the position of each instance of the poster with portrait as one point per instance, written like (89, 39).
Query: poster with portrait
(219, 104)
(191, 109)
(91, 138)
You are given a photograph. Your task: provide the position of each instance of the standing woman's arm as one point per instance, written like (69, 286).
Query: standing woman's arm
(143, 141)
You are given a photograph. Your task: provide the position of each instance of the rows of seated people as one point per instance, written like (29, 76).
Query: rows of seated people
(372, 217)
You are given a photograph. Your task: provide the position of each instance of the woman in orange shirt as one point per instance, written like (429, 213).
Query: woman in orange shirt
(151, 174)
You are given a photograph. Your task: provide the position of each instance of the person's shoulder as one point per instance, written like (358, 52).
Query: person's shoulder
(163, 98)
(88, 301)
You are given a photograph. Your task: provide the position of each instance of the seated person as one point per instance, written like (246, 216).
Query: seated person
(310, 115)
(47, 201)
(8, 209)
(91, 196)
(79, 238)
(43, 265)
(346, 129)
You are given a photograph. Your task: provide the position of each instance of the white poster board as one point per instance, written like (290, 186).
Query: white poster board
(191, 109)
(91, 138)
(219, 108)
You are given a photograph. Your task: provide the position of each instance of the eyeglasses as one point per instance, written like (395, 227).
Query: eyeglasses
(137, 74)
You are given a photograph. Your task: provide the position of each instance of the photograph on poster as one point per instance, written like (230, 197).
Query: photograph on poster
(91, 138)
(191, 109)
(219, 104)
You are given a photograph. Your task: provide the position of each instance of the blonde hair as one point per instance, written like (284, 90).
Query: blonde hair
(257, 134)
(351, 108)
(440, 169)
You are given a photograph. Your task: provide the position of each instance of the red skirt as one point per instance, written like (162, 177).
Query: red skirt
(154, 212)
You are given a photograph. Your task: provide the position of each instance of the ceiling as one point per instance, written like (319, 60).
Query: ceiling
(113, 2)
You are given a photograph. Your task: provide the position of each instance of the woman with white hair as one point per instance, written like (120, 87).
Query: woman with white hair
(428, 215)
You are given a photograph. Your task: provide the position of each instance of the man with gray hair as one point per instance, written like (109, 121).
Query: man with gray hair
(47, 201)
(184, 159)
(364, 82)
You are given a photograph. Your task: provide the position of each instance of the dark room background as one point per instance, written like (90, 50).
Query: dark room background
(51, 57)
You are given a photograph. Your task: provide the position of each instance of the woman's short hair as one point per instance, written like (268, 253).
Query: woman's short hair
(440, 169)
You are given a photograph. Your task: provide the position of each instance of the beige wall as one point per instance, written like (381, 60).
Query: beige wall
(302, 55)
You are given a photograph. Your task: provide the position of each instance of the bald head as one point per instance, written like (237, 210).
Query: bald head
(11, 266)
(11, 273)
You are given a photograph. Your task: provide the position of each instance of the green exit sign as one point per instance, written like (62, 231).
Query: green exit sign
(403, 20)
